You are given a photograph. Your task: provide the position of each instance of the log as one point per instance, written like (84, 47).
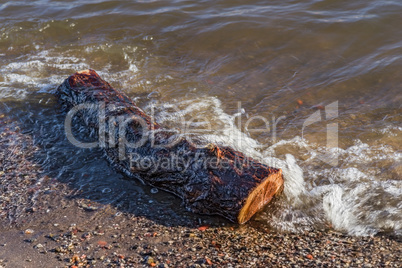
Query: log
(213, 180)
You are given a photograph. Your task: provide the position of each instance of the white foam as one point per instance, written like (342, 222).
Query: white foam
(340, 210)
(223, 127)
(293, 174)
(390, 130)
(29, 73)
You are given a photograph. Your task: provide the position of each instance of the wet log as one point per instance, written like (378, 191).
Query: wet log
(212, 179)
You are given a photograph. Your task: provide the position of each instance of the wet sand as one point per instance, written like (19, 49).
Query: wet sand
(43, 224)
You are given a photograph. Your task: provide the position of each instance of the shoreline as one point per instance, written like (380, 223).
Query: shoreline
(43, 224)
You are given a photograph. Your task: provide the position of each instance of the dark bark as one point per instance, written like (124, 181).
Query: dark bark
(210, 180)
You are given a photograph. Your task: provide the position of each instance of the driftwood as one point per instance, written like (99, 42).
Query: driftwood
(210, 180)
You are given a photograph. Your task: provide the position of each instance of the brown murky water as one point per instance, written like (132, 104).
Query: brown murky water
(313, 87)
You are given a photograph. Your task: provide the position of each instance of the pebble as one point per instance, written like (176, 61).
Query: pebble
(29, 231)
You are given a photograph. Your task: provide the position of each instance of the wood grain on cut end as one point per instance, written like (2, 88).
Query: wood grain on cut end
(261, 196)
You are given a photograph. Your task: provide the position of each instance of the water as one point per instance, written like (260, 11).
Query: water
(333, 67)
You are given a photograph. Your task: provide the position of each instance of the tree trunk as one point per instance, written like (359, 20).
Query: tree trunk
(211, 180)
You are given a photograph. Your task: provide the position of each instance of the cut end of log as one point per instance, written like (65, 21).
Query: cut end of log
(261, 196)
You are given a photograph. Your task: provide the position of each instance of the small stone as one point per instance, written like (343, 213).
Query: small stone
(150, 260)
(30, 240)
(29, 231)
(203, 228)
(75, 258)
(102, 243)
(59, 250)
(208, 261)
(30, 210)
